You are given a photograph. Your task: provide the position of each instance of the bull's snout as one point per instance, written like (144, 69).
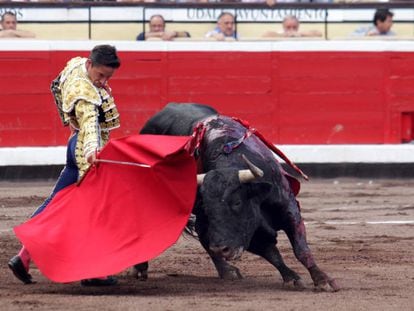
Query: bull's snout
(221, 251)
(226, 252)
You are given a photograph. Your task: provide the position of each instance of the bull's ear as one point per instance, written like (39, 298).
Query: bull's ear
(260, 190)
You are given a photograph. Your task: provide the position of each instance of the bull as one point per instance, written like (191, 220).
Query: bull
(236, 211)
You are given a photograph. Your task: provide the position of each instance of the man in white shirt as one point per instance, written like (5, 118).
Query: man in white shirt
(9, 27)
(291, 29)
(382, 25)
(225, 28)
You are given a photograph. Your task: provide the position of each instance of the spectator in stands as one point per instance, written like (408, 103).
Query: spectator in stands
(9, 27)
(268, 2)
(291, 29)
(304, 1)
(225, 28)
(382, 25)
(157, 30)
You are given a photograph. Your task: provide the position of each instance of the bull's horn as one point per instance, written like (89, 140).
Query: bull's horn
(257, 172)
(200, 179)
(244, 175)
(252, 173)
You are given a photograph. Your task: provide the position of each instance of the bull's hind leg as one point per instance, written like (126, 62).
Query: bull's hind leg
(270, 252)
(296, 232)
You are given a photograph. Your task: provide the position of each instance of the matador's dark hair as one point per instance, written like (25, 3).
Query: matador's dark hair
(105, 55)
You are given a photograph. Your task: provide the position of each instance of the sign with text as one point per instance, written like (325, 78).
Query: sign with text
(199, 14)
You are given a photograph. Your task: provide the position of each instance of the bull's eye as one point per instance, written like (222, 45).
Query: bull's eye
(237, 205)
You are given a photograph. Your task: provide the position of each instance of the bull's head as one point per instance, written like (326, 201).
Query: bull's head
(228, 210)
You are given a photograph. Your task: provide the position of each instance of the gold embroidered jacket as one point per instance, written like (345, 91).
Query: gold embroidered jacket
(89, 110)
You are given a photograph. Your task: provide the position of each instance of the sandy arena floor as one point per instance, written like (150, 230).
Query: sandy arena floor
(361, 232)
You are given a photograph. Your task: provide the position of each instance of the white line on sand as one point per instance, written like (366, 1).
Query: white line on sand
(381, 222)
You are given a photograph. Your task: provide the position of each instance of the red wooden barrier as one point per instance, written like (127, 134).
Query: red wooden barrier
(293, 97)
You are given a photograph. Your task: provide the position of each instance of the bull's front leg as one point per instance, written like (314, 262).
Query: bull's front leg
(270, 252)
(225, 270)
(296, 232)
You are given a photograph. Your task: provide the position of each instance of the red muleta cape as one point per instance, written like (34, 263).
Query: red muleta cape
(120, 214)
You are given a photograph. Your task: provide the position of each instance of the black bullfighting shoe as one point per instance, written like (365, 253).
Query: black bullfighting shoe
(19, 271)
(109, 281)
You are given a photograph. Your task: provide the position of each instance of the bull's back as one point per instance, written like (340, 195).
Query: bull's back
(177, 119)
(224, 131)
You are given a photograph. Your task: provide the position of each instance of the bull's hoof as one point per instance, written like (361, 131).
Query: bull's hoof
(231, 274)
(294, 285)
(140, 271)
(322, 281)
(329, 286)
(141, 275)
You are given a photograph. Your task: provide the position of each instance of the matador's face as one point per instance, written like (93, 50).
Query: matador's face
(99, 74)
